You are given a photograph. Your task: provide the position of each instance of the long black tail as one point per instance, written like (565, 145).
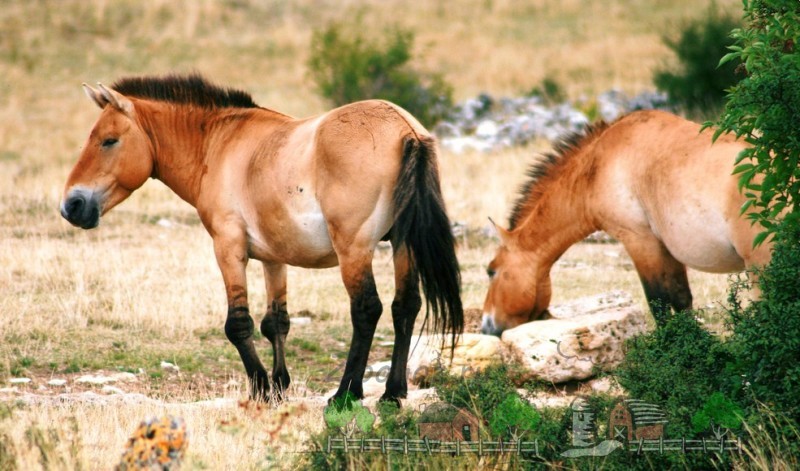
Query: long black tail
(422, 224)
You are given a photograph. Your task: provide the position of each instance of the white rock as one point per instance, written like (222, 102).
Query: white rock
(473, 352)
(300, 320)
(19, 380)
(57, 382)
(123, 376)
(105, 379)
(487, 129)
(564, 349)
(592, 304)
(92, 379)
(165, 365)
(112, 390)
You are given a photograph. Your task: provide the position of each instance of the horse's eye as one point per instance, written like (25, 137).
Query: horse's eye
(110, 142)
(490, 272)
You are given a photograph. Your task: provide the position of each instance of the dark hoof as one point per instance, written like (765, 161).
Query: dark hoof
(259, 389)
(390, 400)
(344, 400)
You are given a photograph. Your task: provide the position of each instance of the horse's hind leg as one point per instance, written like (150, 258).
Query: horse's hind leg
(365, 309)
(275, 325)
(405, 307)
(663, 277)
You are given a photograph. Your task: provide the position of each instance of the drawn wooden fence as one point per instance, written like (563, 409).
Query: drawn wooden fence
(682, 445)
(405, 445)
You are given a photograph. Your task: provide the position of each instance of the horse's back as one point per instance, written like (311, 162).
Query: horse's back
(360, 146)
(672, 181)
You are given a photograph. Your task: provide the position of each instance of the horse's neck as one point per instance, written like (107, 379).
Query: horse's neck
(180, 146)
(557, 220)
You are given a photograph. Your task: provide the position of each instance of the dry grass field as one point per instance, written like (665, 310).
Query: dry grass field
(144, 288)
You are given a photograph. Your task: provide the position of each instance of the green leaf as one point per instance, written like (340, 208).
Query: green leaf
(760, 238)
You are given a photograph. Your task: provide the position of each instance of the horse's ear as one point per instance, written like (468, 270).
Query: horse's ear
(116, 99)
(502, 233)
(96, 97)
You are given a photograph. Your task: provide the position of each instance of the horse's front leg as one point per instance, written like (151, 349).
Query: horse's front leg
(275, 325)
(232, 260)
(663, 277)
(365, 310)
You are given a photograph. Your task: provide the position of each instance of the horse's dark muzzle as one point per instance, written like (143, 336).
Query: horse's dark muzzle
(81, 209)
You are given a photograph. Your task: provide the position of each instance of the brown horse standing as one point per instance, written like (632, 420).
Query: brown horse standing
(651, 180)
(312, 193)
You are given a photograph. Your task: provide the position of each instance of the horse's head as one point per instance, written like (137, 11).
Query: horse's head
(518, 292)
(116, 160)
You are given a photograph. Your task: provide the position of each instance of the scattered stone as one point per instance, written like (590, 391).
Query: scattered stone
(486, 124)
(165, 365)
(300, 320)
(9, 390)
(19, 380)
(124, 376)
(92, 379)
(102, 379)
(57, 382)
(112, 390)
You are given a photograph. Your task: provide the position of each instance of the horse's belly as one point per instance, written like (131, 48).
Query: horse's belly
(314, 248)
(304, 242)
(706, 249)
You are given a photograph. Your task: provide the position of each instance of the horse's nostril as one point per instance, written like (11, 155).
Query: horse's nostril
(75, 206)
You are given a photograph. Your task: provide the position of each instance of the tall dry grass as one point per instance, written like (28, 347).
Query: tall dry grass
(144, 287)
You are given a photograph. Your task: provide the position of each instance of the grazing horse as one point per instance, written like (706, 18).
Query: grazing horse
(312, 193)
(652, 181)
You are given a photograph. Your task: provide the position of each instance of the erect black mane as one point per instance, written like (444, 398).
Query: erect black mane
(190, 89)
(550, 162)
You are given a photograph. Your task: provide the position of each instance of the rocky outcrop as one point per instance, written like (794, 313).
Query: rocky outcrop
(473, 352)
(588, 335)
(582, 337)
(486, 123)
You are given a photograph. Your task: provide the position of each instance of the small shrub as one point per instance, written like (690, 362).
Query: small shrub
(549, 90)
(514, 418)
(698, 84)
(348, 67)
(766, 334)
(678, 367)
(480, 393)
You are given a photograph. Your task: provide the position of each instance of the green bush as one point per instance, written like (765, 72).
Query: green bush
(764, 109)
(678, 367)
(348, 67)
(480, 393)
(698, 85)
(766, 334)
